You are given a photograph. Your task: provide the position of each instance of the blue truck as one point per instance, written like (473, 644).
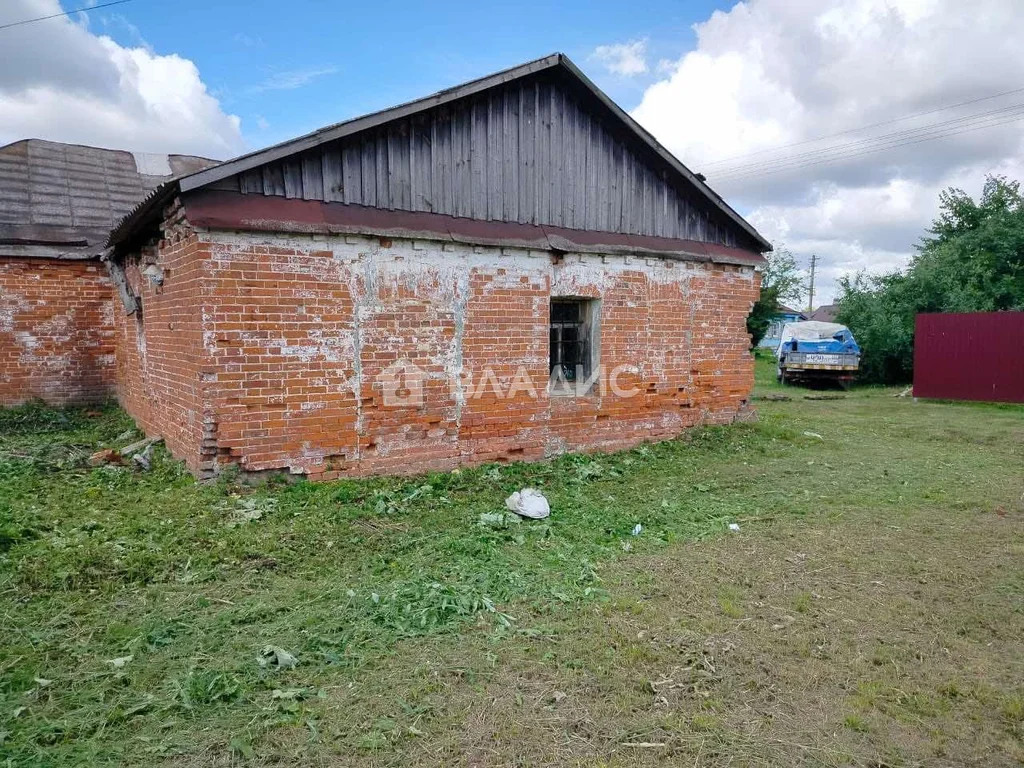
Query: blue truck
(813, 351)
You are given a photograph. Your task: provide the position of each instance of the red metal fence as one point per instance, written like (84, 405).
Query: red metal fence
(976, 356)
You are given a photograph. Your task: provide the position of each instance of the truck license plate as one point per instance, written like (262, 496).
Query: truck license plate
(822, 359)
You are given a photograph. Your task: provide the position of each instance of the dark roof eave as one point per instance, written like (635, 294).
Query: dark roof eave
(147, 211)
(224, 210)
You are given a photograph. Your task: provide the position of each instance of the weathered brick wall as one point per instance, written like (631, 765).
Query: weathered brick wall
(56, 331)
(160, 360)
(294, 332)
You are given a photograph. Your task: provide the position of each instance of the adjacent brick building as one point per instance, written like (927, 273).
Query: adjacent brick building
(57, 204)
(392, 294)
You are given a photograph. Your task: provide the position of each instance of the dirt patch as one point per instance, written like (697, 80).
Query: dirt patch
(854, 641)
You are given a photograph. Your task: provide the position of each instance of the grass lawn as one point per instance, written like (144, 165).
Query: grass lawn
(870, 611)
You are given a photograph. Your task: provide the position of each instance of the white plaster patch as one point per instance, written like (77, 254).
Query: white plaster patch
(26, 340)
(12, 305)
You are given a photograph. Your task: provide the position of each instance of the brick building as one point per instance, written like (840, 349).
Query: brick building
(504, 270)
(57, 205)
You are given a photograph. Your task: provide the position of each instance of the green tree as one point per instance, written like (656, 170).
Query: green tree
(970, 260)
(781, 281)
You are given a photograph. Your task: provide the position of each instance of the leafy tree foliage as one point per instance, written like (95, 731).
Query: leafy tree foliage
(971, 260)
(781, 281)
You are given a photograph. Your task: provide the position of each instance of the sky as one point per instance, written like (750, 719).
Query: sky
(832, 125)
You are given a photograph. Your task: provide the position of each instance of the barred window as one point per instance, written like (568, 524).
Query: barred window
(573, 340)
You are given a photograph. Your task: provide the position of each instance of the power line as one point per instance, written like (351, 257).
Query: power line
(871, 150)
(860, 128)
(844, 155)
(757, 172)
(936, 129)
(880, 140)
(64, 13)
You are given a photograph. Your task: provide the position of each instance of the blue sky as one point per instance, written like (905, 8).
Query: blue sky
(289, 67)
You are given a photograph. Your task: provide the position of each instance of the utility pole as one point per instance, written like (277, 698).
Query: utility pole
(810, 300)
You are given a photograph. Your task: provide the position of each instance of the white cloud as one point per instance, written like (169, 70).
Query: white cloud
(769, 73)
(625, 59)
(292, 79)
(59, 81)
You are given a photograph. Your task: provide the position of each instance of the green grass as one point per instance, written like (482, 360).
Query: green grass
(136, 606)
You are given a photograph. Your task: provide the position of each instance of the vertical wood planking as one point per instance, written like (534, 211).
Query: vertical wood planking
(568, 165)
(554, 172)
(527, 146)
(380, 156)
(615, 187)
(527, 152)
(692, 223)
(495, 186)
(650, 200)
(399, 172)
(462, 187)
(404, 171)
(437, 195)
(509, 158)
(580, 138)
(604, 181)
(639, 198)
(542, 158)
(683, 212)
(662, 225)
(251, 182)
(415, 176)
(423, 166)
(333, 183)
(312, 176)
(673, 208)
(368, 164)
(390, 183)
(273, 180)
(444, 160)
(478, 159)
(595, 157)
(639, 213)
(350, 171)
(292, 171)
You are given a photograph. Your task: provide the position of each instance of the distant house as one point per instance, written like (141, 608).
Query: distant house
(826, 313)
(57, 205)
(774, 332)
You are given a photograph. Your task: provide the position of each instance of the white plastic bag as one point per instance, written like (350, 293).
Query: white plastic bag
(529, 502)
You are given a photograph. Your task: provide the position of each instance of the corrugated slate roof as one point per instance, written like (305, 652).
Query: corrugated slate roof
(60, 200)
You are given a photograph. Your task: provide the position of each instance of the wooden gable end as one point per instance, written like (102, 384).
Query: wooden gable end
(536, 150)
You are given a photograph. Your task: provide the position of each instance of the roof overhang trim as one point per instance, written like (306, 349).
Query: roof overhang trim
(223, 210)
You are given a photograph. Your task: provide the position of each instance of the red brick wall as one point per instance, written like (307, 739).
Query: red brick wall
(56, 331)
(160, 352)
(267, 351)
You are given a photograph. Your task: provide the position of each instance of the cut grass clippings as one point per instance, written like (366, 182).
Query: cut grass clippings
(389, 620)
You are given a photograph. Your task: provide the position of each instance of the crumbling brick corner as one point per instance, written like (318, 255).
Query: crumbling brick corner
(159, 339)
